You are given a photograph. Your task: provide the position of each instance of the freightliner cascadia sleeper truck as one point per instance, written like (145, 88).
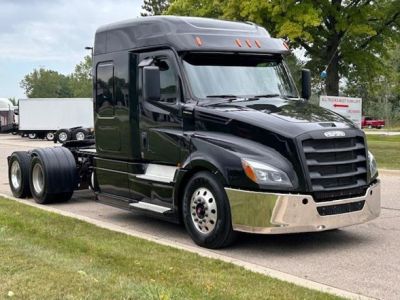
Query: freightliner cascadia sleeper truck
(199, 121)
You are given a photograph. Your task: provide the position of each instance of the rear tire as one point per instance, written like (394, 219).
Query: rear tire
(80, 134)
(53, 175)
(18, 174)
(206, 212)
(50, 136)
(63, 135)
(32, 136)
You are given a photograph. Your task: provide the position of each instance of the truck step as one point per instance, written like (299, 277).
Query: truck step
(150, 207)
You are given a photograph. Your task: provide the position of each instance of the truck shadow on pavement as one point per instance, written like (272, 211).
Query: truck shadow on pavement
(302, 242)
(281, 244)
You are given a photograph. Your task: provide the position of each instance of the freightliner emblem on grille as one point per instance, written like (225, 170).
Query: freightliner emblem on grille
(335, 133)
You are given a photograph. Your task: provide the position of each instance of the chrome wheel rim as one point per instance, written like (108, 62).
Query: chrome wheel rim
(80, 136)
(50, 136)
(32, 135)
(16, 177)
(38, 178)
(203, 210)
(91, 186)
(62, 136)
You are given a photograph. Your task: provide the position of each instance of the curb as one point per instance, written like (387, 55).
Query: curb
(389, 172)
(202, 252)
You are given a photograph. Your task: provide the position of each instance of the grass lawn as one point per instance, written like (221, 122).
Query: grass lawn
(47, 256)
(386, 150)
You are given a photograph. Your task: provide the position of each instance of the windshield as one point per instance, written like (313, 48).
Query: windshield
(228, 75)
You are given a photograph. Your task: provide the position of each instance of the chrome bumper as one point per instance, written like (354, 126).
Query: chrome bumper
(269, 213)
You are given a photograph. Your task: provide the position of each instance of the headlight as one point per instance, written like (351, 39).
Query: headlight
(265, 174)
(373, 169)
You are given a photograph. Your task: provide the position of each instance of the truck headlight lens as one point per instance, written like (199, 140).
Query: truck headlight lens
(265, 174)
(373, 169)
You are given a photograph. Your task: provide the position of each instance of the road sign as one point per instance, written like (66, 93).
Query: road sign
(349, 108)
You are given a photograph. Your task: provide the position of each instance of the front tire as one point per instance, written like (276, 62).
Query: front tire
(206, 212)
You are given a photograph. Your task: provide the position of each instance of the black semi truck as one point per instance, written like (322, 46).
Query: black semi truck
(199, 121)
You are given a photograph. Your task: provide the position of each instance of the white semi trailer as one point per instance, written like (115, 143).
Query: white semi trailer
(59, 119)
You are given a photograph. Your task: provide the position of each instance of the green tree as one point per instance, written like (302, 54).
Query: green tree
(381, 94)
(154, 7)
(344, 36)
(81, 79)
(42, 83)
(14, 101)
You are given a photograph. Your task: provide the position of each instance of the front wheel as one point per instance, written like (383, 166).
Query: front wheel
(206, 212)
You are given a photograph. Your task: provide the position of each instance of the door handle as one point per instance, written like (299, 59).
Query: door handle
(145, 141)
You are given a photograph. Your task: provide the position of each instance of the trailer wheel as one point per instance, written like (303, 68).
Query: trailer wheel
(50, 136)
(53, 175)
(80, 134)
(18, 174)
(206, 212)
(32, 136)
(63, 135)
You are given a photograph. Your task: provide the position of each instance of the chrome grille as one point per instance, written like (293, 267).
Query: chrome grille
(337, 167)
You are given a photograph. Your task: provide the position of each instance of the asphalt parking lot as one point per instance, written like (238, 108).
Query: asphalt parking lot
(362, 259)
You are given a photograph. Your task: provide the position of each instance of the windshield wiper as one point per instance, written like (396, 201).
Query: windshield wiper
(266, 96)
(224, 99)
(222, 96)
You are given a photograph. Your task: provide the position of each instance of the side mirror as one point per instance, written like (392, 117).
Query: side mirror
(305, 84)
(151, 83)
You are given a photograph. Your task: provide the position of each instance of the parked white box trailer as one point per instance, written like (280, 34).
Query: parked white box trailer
(42, 116)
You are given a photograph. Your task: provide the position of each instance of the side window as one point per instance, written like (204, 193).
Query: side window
(168, 80)
(105, 89)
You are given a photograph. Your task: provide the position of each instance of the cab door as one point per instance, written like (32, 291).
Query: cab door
(160, 121)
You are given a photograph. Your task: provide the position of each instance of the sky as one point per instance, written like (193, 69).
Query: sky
(51, 34)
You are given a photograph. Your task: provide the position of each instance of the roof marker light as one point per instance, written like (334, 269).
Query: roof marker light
(238, 42)
(199, 42)
(248, 43)
(258, 44)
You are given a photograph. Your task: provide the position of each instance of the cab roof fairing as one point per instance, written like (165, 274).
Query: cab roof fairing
(182, 33)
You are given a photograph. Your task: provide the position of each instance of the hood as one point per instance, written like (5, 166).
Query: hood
(285, 117)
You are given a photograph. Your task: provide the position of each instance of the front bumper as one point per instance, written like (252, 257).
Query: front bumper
(269, 213)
